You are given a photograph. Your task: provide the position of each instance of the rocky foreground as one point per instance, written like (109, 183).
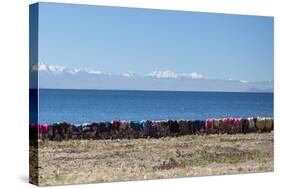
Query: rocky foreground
(84, 161)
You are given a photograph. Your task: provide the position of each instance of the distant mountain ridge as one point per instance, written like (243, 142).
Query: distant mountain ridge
(57, 77)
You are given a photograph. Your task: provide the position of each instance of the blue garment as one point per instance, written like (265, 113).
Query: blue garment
(145, 125)
(136, 125)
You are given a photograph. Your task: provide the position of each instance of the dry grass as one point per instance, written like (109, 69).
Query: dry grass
(84, 161)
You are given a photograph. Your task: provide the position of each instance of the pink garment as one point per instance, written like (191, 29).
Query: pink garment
(41, 128)
(226, 122)
(238, 122)
(209, 125)
(124, 125)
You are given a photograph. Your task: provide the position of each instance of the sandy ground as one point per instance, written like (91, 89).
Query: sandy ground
(88, 161)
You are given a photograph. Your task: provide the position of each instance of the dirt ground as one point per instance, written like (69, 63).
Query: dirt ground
(88, 161)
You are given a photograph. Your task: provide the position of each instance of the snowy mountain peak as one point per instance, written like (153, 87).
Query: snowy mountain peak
(171, 74)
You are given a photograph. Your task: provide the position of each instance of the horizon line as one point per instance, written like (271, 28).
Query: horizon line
(131, 90)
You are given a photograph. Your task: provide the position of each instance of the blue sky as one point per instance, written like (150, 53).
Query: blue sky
(140, 41)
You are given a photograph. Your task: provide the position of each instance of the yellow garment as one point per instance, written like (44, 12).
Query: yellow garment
(216, 123)
(268, 124)
(260, 124)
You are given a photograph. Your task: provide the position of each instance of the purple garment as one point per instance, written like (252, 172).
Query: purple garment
(41, 128)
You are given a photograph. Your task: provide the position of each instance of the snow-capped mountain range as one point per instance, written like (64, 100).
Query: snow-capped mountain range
(58, 77)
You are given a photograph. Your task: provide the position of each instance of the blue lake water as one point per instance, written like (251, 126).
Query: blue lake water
(78, 106)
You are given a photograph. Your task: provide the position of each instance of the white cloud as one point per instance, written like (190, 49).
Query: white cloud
(171, 74)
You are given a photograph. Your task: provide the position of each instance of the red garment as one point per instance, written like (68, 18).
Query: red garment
(116, 124)
(232, 125)
(209, 126)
